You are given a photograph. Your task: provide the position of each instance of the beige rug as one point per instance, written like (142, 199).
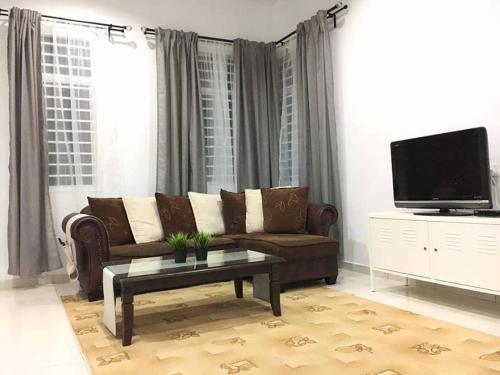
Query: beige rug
(206, 330)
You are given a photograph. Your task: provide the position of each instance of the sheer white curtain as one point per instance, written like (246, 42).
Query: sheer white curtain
(216, 69)
(70, 108)
(289, 166)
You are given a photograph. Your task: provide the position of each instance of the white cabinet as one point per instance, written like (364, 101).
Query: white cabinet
(456, 251)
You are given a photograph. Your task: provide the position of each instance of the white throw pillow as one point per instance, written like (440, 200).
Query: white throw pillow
(144, 220)
(255, 214)
(207, 210)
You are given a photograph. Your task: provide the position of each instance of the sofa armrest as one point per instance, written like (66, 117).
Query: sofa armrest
(320, 217)
(91, 243)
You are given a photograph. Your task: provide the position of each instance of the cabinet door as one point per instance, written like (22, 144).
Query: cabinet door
(383, 242)
(414, 239)
(483, 269)
(467, 254)
(400, 245)
(451, 251)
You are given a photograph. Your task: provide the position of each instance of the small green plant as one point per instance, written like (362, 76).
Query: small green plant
(178, 240)
(201, 243)
(178, 243)
(202, 239)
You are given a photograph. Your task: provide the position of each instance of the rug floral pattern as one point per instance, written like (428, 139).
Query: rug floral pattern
(206, 330)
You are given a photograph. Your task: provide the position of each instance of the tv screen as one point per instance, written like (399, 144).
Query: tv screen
(449, 170)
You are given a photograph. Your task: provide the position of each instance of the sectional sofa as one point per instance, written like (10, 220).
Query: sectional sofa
(312, 255)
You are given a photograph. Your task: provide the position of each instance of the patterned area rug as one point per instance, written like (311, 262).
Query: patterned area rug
(206, 330)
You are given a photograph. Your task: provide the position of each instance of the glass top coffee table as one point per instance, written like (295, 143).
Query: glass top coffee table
(134, 276)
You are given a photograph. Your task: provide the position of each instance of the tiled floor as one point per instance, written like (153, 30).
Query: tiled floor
(36, 338)
(35, 335)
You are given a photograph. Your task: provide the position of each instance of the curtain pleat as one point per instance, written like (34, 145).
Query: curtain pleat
(256, 114)
(181, 163)
(31, 237)
(318, 156)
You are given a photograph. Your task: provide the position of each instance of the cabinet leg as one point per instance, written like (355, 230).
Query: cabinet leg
(407, 281)
(372, 280)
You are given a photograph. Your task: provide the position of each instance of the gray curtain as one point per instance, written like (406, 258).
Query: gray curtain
(31, 236)
(181, 162)
(256, 114)
(318, 157)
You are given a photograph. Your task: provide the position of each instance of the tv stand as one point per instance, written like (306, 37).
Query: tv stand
(462, 252)
(444, 212)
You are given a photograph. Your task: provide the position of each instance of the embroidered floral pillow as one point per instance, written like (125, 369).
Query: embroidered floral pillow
(112, 213)
(285, 209)
(176, 214)
(234, 211)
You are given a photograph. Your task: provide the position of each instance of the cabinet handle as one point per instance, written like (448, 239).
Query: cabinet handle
(425, 248)
(435, 250)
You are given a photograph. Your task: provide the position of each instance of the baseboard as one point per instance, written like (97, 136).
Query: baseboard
(356, 267)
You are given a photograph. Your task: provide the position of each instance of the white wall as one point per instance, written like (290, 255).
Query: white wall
(404, 69)
(126, 86)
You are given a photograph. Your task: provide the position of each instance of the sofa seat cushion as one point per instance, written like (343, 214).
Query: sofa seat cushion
(217, 243)
(152, 249)
(288, 246)
(142, 250)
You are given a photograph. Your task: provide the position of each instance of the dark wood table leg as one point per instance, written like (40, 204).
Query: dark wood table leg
(274, 290)
(238, 288)
(127, 316)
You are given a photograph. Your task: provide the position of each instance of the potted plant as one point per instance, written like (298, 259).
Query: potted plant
(201, 243)
(178, 243)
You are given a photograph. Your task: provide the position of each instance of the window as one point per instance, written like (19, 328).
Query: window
(66, 65)
(216, 70)
(289, 165)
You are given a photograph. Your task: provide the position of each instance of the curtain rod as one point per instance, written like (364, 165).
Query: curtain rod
(332, 12)
(109, 26)
(151, 31)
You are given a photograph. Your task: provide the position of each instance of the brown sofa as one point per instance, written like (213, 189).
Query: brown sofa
(309, 256)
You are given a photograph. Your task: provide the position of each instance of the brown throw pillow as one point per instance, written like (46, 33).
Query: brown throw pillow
(176, 214)
(234, 212)
(112, 213)
(285, 209)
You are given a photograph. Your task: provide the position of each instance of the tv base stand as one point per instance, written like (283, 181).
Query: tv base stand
(444, 212)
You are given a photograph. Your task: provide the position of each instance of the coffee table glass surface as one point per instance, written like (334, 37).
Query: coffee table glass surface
(165, 264)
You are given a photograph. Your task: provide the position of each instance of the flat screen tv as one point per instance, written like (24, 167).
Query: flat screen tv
(443, 171)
